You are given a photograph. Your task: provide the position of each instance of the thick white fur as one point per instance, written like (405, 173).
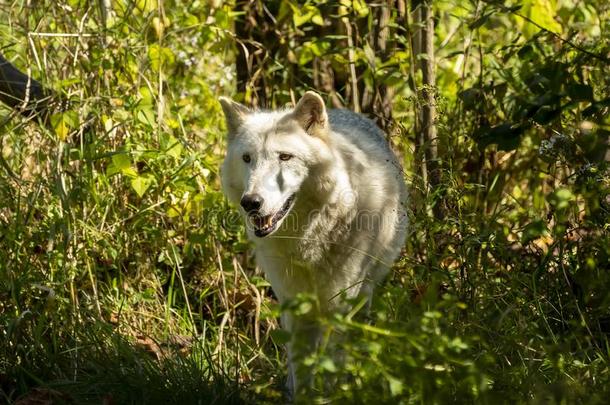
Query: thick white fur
(348, 221)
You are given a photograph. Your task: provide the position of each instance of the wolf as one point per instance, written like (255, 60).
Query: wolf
(323, 197)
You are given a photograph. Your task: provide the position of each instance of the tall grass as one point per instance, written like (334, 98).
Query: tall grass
(110, 219)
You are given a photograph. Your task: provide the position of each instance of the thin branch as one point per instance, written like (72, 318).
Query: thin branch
(352, 65)
(565, 41)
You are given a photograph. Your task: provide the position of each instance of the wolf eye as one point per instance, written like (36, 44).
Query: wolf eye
(285, 156)
(246, 158)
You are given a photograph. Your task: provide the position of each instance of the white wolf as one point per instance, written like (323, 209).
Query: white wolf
(324, 201)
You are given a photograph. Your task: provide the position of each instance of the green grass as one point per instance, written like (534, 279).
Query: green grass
(99, 364)
(125, 277)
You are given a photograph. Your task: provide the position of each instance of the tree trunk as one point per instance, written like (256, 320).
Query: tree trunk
(427, 65)
(376, 101)
(22, 93)
(385, 92)
(423, 55)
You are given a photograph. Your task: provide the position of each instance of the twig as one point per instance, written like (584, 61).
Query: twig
(565, 41)
(352, 65)
(61, 34)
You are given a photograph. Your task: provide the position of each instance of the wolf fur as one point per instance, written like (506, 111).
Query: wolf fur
(323, 197)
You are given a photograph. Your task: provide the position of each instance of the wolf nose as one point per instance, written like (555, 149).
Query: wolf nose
(251, 202)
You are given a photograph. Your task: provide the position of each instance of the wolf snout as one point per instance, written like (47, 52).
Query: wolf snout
(251, 202)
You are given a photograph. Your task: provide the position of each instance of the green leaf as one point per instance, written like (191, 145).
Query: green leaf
(172, 146)
(317, 19)
(146, 116)
(303, 308)
(160, 57)
(121, 163)
(541, 13)
(140, 184)
(327, 364)
(305, 14)
(146, 6)
(147, 98)
(534, 230)
(63, 123)
(561, 199)
(360, 8)
(222, 19)
(396, 386)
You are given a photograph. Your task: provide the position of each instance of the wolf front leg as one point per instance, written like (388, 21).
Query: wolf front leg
(305, 336)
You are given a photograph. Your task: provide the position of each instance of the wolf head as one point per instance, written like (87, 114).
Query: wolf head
(270, 156)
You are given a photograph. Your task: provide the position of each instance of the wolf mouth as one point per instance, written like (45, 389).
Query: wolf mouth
(265, 225)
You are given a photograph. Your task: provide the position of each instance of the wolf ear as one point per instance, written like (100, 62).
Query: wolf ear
(235, 114)
(310, 113)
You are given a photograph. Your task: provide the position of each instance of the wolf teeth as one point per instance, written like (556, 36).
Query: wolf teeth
(265, 222)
